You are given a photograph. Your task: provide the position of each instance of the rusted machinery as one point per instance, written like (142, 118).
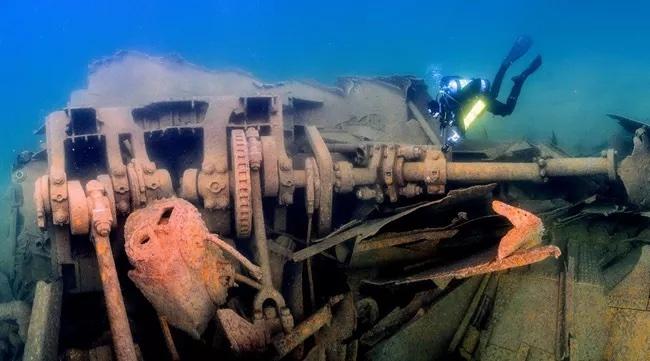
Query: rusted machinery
(229, 157)
(285, 221)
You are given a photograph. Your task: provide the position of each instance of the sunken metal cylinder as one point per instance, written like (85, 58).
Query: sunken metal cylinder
(305, 329)
(119, 323)
(481, 172)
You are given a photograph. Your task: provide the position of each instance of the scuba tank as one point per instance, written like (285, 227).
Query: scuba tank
(458, 97)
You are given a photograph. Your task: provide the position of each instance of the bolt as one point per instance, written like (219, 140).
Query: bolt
(435, 155)
(57, 179)
(118, 172)
(285, 166)
(208, 168)
(215, 187)
(542, 173)
(541, 162)
(59, 197)
(103, 228)
(287, 198)
(149, 169)
(59, 218)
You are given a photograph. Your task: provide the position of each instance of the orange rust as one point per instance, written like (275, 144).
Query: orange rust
(101, 219)
(118, 321)
(486, 262)
(527, 231)
(183, 274)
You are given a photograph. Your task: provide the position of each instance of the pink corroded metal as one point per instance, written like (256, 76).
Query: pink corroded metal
(181, 273)
(527, 231)
(484, 262)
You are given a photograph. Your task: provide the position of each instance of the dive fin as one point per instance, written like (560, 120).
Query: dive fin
(519, 48)
(532, 67)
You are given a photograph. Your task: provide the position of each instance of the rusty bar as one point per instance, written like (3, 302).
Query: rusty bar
(477, 172)
(474, 172)
(396, 318)
(305, 329)
(259, 230)
(344, 147)
(120, 330)
(394, 239)
(247, 281)
(169, 340)
(254, 270)
(43, 332)
(567, 167)
(364, 176)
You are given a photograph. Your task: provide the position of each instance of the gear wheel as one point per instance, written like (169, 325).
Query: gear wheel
(242, 187)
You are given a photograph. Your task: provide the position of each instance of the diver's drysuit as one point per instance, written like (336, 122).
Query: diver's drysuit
(464, 100)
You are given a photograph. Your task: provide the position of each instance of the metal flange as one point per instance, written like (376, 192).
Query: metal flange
(189, 185)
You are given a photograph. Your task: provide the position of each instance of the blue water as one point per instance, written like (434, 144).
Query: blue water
(596, 54)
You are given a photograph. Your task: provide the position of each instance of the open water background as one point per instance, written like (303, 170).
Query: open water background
(596, 53)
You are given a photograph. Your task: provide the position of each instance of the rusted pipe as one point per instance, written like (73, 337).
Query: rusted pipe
(480, 172)
(259, 230)
(475, 172)
(563, 167)
(247, 281)
(305, 329)
(119, 323)
(101, 220)
(364, 176)
(254, 270)
(345, 147)
(169, 340)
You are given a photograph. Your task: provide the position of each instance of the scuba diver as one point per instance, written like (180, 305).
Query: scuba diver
(461, 101)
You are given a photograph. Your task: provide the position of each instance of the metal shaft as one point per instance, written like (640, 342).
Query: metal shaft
(119, 323)
(305, 329)
(260, 231)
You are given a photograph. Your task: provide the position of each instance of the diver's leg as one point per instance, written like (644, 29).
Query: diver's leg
(499, 108)
(519, 48)
(498, 78)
